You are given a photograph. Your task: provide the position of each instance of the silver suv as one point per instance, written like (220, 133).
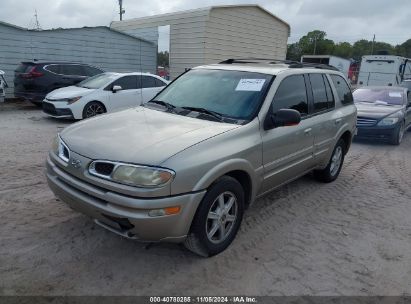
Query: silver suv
(185, 166)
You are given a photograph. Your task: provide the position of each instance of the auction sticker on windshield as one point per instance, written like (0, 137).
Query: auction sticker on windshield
(395, 94)
(250, 85)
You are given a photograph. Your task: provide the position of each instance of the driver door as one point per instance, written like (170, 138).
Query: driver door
(288, 151)
(128, 96)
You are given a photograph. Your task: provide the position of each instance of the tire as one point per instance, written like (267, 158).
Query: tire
(398, 135)
(207, 237)
(93, 108)
(331, 172)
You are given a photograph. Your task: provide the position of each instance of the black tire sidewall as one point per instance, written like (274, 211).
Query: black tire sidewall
(199, 223)
(396, 137)
(325, 175)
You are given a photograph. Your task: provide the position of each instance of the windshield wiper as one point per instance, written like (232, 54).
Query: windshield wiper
(169, 106)
(205, 111)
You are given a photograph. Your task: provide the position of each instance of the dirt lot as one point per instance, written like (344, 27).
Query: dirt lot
(350, 237)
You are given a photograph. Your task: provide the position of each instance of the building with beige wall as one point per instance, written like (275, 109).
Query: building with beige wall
(212, 34)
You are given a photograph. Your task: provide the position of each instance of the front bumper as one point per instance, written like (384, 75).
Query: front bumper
(51, 110)
(125, 215)
(34, 97)
(374, 132)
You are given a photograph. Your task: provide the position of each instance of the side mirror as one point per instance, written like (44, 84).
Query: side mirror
(282, 118)
(116, 88)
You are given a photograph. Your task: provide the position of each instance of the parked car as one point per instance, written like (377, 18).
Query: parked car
(183, 167)
(3, 86)
(103, 93)
(34, 79)
(406, 83)
(383, 112)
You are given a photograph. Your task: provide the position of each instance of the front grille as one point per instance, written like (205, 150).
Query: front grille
(49, 108)
(365, 122)
(103, 168)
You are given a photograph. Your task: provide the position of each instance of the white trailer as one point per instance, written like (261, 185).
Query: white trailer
(3, 86)
(383, 70)
(340, 63)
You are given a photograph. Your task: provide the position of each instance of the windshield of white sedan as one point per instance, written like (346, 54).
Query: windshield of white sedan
(233, 94)
(378, 96)
(97, 81)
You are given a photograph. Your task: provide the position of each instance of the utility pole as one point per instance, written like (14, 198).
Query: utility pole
(122, 10)
(36, 22)
(372, 45)
(315, 44)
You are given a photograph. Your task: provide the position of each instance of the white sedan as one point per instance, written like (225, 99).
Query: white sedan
(103, 93)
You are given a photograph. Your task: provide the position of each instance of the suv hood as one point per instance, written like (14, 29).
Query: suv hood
(375, 111)
(68, 92)
(139, 135)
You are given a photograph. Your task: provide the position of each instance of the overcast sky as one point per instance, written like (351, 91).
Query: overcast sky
(342, 20)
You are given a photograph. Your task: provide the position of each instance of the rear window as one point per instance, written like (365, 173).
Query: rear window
(23, 68)
(343, 90)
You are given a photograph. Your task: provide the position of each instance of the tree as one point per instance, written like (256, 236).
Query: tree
(163, 59)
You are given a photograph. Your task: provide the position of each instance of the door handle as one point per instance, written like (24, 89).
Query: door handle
(307, 131)
(338, 121)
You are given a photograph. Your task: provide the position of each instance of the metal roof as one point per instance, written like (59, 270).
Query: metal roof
(73, 28)
(205, 10)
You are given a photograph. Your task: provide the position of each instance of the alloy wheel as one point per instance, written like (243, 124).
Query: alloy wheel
(221, 217)
(336, 160)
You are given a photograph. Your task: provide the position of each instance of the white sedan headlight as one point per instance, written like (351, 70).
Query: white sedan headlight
(388, 121)
(73, 99)
(141, 176)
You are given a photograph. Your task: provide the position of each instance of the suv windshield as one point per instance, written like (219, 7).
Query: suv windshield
(232, 94)
(378, 96)
(97, 81)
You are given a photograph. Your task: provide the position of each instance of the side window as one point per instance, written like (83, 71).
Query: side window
(148, 82)
(160, 83)
(126, 83)
(71, 69)
(90, 71)
(343, 90)
(319, 92)
(291, 94)
(54, 68)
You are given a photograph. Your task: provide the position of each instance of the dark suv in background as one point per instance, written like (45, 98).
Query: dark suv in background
(33, 80)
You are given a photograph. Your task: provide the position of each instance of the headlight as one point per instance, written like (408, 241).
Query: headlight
(388, 121)
(55, 144)
(141, 176)
(60, 149)
(73, 100)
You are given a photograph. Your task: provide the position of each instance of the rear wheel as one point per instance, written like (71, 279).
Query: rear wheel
(398, 135)
(331, 172)
(93, 108)
(218, 218)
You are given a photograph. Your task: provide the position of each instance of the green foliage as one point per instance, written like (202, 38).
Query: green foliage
(163, 59)
(315, 42)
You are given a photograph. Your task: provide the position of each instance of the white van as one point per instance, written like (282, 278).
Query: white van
(383, 70)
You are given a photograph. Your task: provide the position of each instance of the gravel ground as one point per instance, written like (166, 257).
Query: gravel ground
(350, 237)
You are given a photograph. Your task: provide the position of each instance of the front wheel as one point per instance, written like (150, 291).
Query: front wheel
(331, 172)
(218, 218)
(92, 109)
(399, 134)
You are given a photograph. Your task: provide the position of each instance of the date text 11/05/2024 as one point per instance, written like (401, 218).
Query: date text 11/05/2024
(208, 299)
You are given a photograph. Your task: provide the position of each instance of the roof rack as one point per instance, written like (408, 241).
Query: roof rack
(290, 63)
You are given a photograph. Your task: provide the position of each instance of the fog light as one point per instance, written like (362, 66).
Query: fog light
(165, 211)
